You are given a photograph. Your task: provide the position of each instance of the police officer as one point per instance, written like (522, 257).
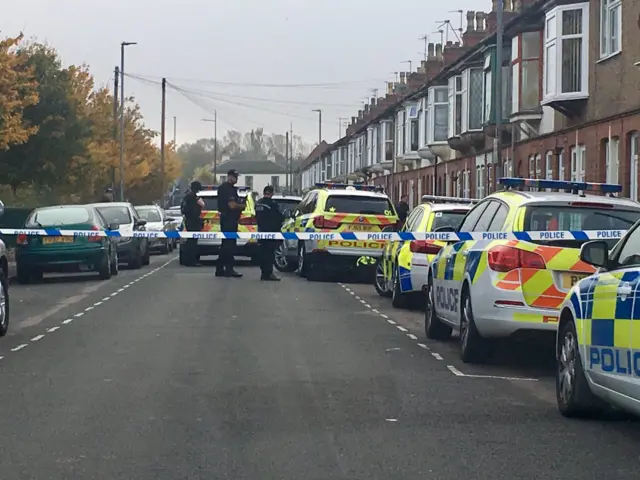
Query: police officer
(107, 196)
(269, 219)
(230, 207)
(191, 208)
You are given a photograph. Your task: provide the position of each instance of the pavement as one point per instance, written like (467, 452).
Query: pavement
(170, 373)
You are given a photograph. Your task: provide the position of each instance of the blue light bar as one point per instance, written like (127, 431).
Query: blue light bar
(368, 188)
(561, 185)
(441, 199)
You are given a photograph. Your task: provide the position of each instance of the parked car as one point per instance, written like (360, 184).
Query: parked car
(4, 285)
(132, 251)
(176, 214)
(157, 221)
(36, 255)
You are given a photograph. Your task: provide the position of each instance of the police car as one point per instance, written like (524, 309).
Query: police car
(598, 342)
(495, 287)
(401, 272)
(287, 204)
(338, 208)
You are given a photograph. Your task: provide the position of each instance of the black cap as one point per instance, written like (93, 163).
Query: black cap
(267, 189)
(233, 173)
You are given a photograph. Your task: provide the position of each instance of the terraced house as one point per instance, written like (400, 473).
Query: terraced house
(571, 107)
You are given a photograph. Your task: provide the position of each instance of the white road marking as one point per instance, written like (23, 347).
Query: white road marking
(79, 314)
(367, 305)
(52, 329)
(436, 356)
(357, 297)
(105, 299)
(392, 349)
(97, 304)
(383, 315)
(364, 302)
(422, 345)
(37, 337)
(391, 419)
(352, 293)
(120, 290)
(67, 321)
(412, 336)
(391, 322)
(114, 294)
(88, 309)
(455, 371)
(19, 347)
(402, 329)
(374, 310)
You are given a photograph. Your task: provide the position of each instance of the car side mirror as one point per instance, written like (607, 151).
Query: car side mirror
(595, 252)
(140, 223)
(169, 219)
(446, 228)
(114, 226)
(1, 208)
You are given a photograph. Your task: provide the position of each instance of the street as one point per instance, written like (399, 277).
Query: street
(170, 373)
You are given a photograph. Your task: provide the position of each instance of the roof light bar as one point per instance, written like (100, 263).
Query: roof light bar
(368, 188)
(573, 187)
(441, 199)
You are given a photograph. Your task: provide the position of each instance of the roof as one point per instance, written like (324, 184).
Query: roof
(354, 193)
(531, 198)
(251, 167)
(315, 153)
(445, 207)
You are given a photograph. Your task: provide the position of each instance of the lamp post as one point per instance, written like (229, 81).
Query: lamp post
(122, 112)
(215, 144)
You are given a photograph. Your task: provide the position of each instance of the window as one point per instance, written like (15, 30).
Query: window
(223, 178)
(248, 181)
(498, 219)
(451, 218)
(474, 82)
(400, 132)
(275, 181)
(150, 214)
(437, 115)
(526, 64)
(538, 166)
(112, 214)
(413, 116)
(480, 180)
(532, 166)
(578, 155)
(388, 140)
(561, 171)
(369, 147)
(549, 165)
(630, 251)
(379, 156)
(61, 216)
(456, 97)
(466, 188)
(486, 217)
(611, 147)
(472, 217)
(566, 59)
(610, 27)
(634, 139)
(358, 204)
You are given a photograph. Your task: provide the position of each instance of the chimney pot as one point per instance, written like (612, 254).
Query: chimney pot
(438, 52)
(354, 120)
(366, 108)
(403, 76)
(431, 51)
(449, 44)
(470, 20)
(389, 88)
(360, 114)
(480, 22)
(456, 44)
(374, 100)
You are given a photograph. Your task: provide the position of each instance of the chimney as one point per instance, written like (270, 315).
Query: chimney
(471, 16)
(271, 157)
(439, 52)
(389, 88)
(480, 22)
(225, 158)
(366, 109)
(354, 120)
(403, 79)
(373, 101)
(451, 52)
(423, 66)
(431, 54)
(360, 114)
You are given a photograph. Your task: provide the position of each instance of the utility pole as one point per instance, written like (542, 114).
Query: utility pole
(286, 160)
(162, 140)
(341, 121)
(175, 147)
(497, 142)
(319, 111)
(122, 113)
(116, 108)
(291, 156)
(215, 143)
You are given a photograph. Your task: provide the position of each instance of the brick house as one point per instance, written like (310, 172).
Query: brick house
(571, 106)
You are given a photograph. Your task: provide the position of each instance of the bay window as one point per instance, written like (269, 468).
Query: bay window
(488, 90)
(352, 155)
(437, 115)
(369, 148)
(412, 115)
(566, 58)
(610, 27)
(456, 94)
(400, 128)
(379, 143)
(526, 71)
(489, 86)
(388, 140)
(343, 160)
(473, 80)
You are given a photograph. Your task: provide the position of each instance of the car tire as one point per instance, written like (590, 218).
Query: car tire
(164, 250)
(473, 348)
(104, 269)
(573, 395)
(379, 282)
(114, 264)
(146, 257)
(135, 262)
(434, 329)
(398, 299)
(26, 276)
(4, 313)
(302, 267)
(281, 262)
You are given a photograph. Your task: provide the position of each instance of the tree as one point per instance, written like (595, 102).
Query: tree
(204, 175)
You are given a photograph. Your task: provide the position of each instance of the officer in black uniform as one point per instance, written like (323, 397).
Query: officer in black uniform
(191, 208)
(230, 207)
(269, 219)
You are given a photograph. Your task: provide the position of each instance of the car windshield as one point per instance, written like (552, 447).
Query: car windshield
(286, 204)
(150, 214)
(359, 204)
(448, 219)
(116, 214)
(58, 216)
(571, 217)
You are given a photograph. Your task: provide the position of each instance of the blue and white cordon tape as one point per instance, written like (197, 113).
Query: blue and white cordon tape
(371, 236)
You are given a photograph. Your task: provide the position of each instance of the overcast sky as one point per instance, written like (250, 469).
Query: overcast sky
(214, 50)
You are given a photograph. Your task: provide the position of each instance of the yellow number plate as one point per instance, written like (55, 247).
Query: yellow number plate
(50, 240)
(570, 279)
(360, 228)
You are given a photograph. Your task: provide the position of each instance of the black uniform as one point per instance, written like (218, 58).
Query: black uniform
(269, 219)
(193, 223)
(229, 219)
(403, 211)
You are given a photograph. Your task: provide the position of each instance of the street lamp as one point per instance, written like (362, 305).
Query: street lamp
(122, 45)
(319, 112)
(215, 143)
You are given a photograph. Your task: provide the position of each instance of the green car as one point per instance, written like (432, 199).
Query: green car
(36, 255)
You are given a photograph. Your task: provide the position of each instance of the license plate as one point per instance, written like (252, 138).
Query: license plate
(50, 240)
(570, 279)
(360, 228)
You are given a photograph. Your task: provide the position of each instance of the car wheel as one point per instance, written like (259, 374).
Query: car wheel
(4, 303)
(472, 345)
(146, 257)
(380, 282)
(301, 268)
(135, 262)
(104, 269)
(434, 329)
(398, 299)
(573, 395)
(27, 275)
(114, 263)
(281, 262)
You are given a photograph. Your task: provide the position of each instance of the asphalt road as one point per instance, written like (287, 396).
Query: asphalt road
(171, 373)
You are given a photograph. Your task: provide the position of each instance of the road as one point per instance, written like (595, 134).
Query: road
(170, 373)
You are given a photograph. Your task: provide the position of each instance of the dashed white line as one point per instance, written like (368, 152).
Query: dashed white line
(422, 345)
(383, 315)
(374, 310)
(437, 356)
(120, 290)
(52, 329)
(105, 299)
(114, 294)
(88, 309)
(19, 347)
(67, 321)
(357, 297)
(391, 419)
(391, 321)
(352, 293)
(97, 304)
(455, 371)
(37, 337)
(402, 329)
(412, 336)
(79, 314)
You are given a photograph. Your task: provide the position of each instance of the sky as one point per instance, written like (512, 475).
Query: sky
(216, 53)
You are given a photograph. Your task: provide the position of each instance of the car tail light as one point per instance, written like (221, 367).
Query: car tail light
(23, 239)
(321, 222)
(504, 259)
(247, 220)
(94, 238)
(422, 246)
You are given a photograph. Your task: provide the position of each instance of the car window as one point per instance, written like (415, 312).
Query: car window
(358, 204)
(58, 216)
(448, 219)
(149, 214)
(499, 218)
(472, 217)
(284, 204)
(630, 251)
(485, 219)
(413, 223)
(116, 214)
(408, 223)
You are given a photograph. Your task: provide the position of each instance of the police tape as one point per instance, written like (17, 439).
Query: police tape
(581, 235)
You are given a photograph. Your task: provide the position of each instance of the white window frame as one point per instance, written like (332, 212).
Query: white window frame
(399, 133)
(634, 140)
(548, 160)
(456, 96)
(467, 100)
(578, 157)
(370, 146)
(412, 114)
(432, 105)
(387, 125)
(612, 159)
(553, 42)
(610, 28)
(538, 166)
(466, 187)
(532, 165)
(487, 89)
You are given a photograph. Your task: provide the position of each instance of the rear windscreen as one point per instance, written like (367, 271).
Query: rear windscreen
(568, 217)
(116, 214)
(149, 214)
(448, 219)
(359, 204)
(49, 217)
(287, 204)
